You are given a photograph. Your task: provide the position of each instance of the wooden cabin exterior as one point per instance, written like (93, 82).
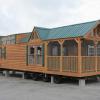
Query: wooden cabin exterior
(72, 50)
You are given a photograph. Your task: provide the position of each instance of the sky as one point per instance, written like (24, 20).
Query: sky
(17, 16)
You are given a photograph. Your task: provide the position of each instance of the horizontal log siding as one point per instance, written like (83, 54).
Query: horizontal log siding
(16, 59)
(15, 56)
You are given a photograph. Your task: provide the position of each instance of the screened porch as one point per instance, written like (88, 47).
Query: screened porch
(73, 56)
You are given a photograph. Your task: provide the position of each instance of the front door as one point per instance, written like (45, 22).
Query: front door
(35, 55)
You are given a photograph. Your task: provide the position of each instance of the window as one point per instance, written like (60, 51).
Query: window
(0, 52)
(8, 40)
(4, 53)
(31, 50)
(4, 40)
(91, 50)
(98, 50)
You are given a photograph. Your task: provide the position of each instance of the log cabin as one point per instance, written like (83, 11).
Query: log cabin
(68, 51)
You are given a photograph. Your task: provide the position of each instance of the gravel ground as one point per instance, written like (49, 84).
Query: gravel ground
(22, 89)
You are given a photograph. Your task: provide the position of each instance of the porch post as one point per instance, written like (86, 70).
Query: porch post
(79, 56)
(61, 53)
(95, 45)
(45, 59)
(35, 55)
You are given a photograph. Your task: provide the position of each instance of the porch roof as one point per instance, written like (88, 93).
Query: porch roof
(75, 30)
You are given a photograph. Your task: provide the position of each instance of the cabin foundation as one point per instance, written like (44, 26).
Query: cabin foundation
(98, 78)
(23, 75)
(52, 79)
(82, 82)
(13, 72)
(6, 73)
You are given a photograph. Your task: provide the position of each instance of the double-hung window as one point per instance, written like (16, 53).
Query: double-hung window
(91, 50)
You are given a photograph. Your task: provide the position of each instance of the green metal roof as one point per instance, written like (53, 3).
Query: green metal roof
(75, 30)
(71, 30)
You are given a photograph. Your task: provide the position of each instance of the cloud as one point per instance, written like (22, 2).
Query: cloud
(22, 15)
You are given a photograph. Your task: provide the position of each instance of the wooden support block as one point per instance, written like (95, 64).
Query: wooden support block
(23, 75)
(52, 79)
(81, 82)
(98, 78)
(6, 73)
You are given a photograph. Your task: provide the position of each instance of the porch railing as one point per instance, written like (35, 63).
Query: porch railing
(53, 63)
(88, 63)
(70, 63)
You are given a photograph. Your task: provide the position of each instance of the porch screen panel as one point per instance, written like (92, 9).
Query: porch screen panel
(55, 51)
